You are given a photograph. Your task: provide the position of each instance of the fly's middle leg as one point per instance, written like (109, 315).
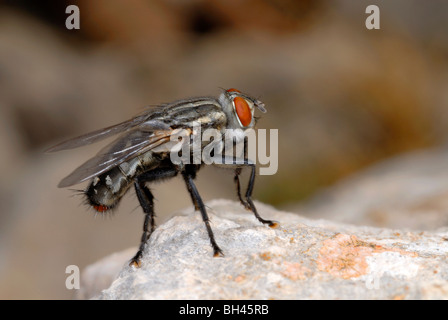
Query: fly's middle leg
(189, 174)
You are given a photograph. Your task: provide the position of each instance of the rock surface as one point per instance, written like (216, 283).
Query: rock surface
(302, 259)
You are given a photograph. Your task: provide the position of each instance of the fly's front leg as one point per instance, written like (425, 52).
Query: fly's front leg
(239, 164)
(252, 207)
(236, 179)
(189, 174)
(237, 176)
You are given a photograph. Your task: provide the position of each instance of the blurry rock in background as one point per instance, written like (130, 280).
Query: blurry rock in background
(406, 192)
(342, 97)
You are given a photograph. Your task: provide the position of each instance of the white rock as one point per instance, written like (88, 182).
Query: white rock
(302, 259)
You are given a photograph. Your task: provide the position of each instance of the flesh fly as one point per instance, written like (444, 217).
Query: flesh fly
(141, 154)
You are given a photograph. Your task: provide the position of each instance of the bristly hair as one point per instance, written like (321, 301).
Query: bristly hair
(88, 204)
(78, 192)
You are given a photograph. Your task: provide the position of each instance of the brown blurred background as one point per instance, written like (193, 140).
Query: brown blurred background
(343, 98)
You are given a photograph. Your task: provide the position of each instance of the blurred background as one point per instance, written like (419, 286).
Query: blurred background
(357, 110)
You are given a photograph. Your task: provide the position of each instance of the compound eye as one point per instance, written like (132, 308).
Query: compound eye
(233, 90)
(243, 111)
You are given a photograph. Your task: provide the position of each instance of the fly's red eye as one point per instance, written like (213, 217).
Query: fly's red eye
(243, 111)
(233, 90)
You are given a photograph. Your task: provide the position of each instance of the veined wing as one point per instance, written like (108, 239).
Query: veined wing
(95, 136)
(122, 149)
(139, 135)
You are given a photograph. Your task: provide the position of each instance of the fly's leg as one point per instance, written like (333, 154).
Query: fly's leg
(146, 200)
(249, 201)
(236, 179)
(189, 174)
(239, 164)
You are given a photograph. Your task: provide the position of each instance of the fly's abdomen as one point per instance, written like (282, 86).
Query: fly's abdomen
(107, 189)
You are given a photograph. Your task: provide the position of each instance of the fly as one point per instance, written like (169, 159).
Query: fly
(140, 155)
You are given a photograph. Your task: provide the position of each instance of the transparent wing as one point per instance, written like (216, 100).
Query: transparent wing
(95, 136)
(122, 149)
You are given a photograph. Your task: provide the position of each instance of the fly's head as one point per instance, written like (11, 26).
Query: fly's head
(239, 109)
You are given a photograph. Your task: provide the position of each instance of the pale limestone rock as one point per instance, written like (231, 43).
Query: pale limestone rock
(302, 259)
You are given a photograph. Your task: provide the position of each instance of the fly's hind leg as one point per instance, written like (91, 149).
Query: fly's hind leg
(146, 200)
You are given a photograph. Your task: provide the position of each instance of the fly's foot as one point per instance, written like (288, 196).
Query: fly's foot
(136, 262)
(273, 224)
(270, 223)
(246, 205)
(217, 253)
